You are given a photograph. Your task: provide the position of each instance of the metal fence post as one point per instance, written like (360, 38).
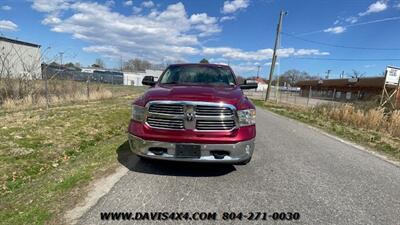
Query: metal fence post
(88, 87)
(46, 88)
(334, 93)
(309, 95)
(112, 86)
(287, 96)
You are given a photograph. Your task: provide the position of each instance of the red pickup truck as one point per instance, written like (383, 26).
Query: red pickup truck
(194, 113)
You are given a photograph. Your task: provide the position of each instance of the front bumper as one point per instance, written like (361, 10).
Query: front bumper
(237, 152)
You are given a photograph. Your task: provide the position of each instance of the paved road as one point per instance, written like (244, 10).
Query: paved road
(294, 168)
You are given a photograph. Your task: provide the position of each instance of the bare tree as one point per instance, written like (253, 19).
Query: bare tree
(357, 74)
(292, 76)
(136, 65)
(99, 63)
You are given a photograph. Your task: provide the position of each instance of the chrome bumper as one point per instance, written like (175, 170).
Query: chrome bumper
(238, 152)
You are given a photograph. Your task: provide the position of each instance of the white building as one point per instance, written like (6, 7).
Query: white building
(135, 78)
(88, 70)
(19, 59)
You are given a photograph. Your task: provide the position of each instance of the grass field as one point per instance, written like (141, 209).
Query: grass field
(46, 157)
(380, 140)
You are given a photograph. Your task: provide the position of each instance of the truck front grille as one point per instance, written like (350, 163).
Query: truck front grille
(203, 110)
(215, 125)
(167, 123)
(200, 116)
(167, 109)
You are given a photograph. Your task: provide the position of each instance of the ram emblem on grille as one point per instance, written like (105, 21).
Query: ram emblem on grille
(189, 116)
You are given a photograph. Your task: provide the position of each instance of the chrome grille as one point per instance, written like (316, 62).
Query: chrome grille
(167, 109)
(203, 110)
(167, 123)
(200, 116)
(215, 125)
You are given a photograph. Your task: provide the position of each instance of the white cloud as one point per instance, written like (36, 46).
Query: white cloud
(128, 3)
(6, 7)
(397, 5)
(259, 55)
(239, 68)
(352, 19)
(50, 6)
(110, 3)
(170, 34)
(335, 30)
(136, 10)
(51, 19)
(104, 49)
(148, 4)
(376, 7)
(8, 25)
(305, 52)
(202, 18)
(204, 23)
(234, 5)
(225, 18)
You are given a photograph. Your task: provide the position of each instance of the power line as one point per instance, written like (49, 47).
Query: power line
(339, 46)
(345, 59)
(357, 24)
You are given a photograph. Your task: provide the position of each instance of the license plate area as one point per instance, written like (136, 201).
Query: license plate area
(187, 151)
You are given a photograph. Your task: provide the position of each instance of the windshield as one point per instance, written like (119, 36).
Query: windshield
(198, 75)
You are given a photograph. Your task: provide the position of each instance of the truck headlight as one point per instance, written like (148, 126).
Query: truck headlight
(138, 113)
(247, 117)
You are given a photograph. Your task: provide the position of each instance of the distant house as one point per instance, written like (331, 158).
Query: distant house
(262, 85)
(19, 58)
(135, 78)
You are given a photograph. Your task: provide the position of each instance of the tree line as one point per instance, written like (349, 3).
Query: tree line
(288, 78)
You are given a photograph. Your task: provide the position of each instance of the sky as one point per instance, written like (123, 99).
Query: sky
(317, 35)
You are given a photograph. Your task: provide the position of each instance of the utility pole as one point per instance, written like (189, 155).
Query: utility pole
(274, 56)
(258, 70)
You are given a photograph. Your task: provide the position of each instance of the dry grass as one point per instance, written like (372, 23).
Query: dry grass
(371, 119)
(59, 92)
(29, 101)
(393, 125)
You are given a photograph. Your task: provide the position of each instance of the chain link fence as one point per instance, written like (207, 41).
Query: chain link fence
(299, 97)
(57, 85)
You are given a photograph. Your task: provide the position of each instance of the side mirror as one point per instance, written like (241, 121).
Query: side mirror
(148, 80)
(249, 84)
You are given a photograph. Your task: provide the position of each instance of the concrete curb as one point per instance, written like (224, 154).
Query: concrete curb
(98, 189)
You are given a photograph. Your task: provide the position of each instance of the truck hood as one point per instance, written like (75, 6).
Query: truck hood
(231, 95)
